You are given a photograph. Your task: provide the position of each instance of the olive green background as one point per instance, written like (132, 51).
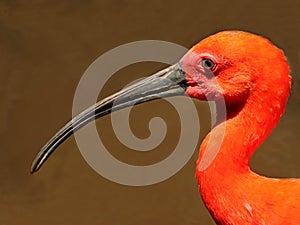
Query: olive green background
(45, 47)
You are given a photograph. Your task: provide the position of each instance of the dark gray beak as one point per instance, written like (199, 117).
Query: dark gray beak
(168, 82)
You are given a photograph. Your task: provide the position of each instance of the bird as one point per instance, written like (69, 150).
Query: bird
(248, 78)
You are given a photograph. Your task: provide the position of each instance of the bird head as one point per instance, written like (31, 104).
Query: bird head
(230, 66)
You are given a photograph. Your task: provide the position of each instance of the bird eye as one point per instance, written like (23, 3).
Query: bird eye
(207, 64)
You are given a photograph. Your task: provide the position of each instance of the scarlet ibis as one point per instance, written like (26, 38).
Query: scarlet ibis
(252, 77)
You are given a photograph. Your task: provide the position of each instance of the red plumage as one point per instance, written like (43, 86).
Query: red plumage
(255, 83)
(248, 78)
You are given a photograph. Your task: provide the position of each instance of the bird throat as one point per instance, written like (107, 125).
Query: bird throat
(223, 164)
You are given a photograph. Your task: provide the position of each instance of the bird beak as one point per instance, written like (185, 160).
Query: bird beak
(168, 82)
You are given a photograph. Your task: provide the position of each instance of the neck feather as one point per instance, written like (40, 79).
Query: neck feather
(226, 151)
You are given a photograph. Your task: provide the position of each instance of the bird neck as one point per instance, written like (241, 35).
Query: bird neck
(240, 129)
(225, 153)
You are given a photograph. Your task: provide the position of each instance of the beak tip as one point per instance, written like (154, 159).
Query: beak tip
(32, 171)
(34, 167)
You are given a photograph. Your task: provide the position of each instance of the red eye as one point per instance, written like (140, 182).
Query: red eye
(207, 64)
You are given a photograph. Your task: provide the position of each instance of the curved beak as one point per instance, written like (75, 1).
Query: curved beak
(168, 82)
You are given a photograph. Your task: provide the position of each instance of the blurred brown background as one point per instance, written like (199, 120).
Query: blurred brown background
(45, 46)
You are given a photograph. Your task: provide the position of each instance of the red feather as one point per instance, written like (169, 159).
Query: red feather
(255, 83)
